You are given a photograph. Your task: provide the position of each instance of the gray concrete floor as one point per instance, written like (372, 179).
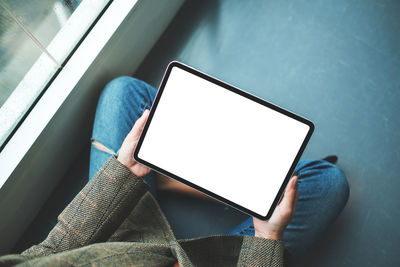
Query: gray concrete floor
(335, 62)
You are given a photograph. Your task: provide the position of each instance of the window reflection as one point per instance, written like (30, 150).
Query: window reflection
(29, 31)
(42, 18)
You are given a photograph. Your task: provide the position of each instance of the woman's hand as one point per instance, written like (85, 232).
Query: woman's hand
(283, 213)
(125, 155)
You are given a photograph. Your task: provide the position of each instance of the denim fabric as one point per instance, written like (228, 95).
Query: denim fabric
(323, 188)
(121, 103)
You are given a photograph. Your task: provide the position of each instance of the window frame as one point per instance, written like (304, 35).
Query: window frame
(58, 127)
(46, 68)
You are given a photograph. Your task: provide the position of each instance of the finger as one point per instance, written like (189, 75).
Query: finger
(289, 196)
(296, 199)
(138, 126)
(287, 186)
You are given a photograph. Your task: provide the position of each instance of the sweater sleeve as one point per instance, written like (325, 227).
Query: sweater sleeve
(256, 251)
(96, 212)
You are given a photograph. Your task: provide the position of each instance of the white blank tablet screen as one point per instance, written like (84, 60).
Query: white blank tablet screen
(221, 141)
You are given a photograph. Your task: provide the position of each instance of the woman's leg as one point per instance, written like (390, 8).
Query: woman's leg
(121, 103)
(323, 193)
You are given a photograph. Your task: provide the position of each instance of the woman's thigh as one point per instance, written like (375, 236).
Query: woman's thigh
(323, 193)
(121, 103)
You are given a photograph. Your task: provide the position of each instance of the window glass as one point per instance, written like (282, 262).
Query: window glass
(36, 36)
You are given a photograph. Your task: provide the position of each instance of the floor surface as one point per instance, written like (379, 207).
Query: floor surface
(336, 63)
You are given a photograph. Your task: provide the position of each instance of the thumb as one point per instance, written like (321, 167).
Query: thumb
(137, 128)
(288, 202)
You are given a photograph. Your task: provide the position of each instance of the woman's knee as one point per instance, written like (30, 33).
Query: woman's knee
(119, 87)
(334, 188)
(325, 180)
(127, 87)
(339, 186)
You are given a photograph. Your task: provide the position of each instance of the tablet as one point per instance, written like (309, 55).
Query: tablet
(222, 141)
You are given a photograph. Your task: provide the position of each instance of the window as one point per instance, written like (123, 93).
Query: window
(36, 39)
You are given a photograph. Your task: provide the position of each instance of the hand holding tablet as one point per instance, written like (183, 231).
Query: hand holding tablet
(222, 141)
(129, 144)
(283, 213)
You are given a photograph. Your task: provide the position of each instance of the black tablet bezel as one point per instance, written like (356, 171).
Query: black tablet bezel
(244, 94)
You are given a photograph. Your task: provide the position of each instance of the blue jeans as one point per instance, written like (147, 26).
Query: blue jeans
(323, 188)
(121, 103)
